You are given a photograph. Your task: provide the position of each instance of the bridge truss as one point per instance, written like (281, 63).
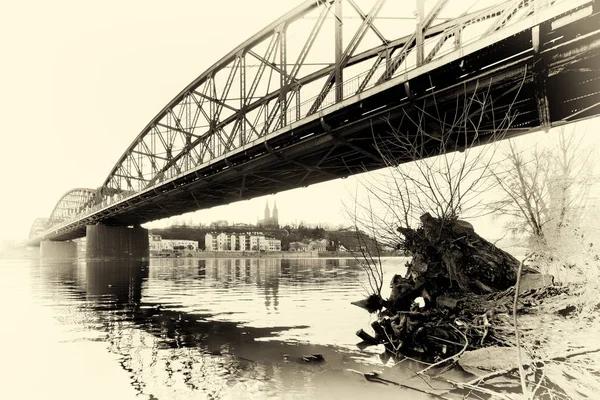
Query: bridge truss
(295, 67)
(38, 226)
(71, 204)
(300, 101)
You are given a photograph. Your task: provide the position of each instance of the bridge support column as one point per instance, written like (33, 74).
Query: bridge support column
(58, 250)
(116, 243)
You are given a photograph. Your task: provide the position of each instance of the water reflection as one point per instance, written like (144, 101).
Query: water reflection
(224, 328)
(116, 285)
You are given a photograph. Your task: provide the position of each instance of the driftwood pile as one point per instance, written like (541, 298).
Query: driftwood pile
(456, 295)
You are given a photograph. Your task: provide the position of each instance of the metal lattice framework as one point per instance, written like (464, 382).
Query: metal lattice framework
(279, 111)
(72, 203)
(38, 226)
(294, 68)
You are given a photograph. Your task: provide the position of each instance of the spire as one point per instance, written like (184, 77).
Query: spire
(275, 214)
(267, 213)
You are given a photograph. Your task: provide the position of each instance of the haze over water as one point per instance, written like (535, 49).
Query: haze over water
(189, 328)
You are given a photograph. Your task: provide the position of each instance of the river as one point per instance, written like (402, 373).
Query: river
(192, 328)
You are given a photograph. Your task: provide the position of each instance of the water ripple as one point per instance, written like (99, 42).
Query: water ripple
(190, 328)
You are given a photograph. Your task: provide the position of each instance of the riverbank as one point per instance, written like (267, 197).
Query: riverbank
(271, 254)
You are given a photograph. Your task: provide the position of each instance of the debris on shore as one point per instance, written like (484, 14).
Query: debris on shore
(458, 295)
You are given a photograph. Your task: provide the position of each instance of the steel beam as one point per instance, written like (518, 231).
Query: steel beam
(363, 16)
(268, 63)
(318, 164)
(510, 10)
(281, 155)
(180, 130)
(345, 57)
(339, 69)
(283, 79)
(411, 42)
(419, 45)
(242, 116)
(540, 76)
(215, 101)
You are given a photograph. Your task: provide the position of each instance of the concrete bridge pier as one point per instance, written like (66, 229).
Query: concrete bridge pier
(110, 243)
(51, 250)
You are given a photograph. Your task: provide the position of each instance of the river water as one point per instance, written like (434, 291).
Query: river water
(192, 328)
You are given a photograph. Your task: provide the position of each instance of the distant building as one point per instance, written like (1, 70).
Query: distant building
(159, 245)
(318, 245)
(220, 223)
(210, 242)
(270, 220)
(254, 242)
(269, 244)
(223, 242)
(298, 246)
(181, 244)
(240, 242)
(242, 225)
(155, 242)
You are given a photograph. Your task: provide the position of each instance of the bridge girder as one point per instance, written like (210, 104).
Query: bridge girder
(260, 86)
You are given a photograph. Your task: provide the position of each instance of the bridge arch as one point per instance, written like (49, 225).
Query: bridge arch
(38, 226)
(71, 203)
(270, 80)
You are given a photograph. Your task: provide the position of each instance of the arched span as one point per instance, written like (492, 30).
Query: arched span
(38, 226)
(72, 203)
(293, 68)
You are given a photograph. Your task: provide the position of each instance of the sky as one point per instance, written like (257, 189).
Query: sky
(79, 80)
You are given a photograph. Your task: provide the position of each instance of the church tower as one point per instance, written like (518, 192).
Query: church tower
(275, 219)
(267, 214)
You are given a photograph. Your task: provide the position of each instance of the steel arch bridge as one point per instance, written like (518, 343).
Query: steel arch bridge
(296, 103)
(269, 81)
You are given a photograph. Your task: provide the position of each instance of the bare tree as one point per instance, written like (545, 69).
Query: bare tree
(369, 249)
(436, 164)
(546, 192)
(438, 168)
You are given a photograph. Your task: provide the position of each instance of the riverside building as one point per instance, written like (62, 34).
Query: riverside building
(240, 242)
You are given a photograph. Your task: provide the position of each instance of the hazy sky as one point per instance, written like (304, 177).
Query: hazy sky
(79, 80)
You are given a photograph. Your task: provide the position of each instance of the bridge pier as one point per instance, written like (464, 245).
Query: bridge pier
(58, 250)
(116, 243)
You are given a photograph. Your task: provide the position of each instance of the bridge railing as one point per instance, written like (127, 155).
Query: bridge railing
(356, 84)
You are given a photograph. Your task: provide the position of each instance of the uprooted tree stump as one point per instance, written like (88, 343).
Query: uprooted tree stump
(448, 256)
(466, 285)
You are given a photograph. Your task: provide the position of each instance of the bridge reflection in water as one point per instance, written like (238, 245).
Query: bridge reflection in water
(219, 328)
